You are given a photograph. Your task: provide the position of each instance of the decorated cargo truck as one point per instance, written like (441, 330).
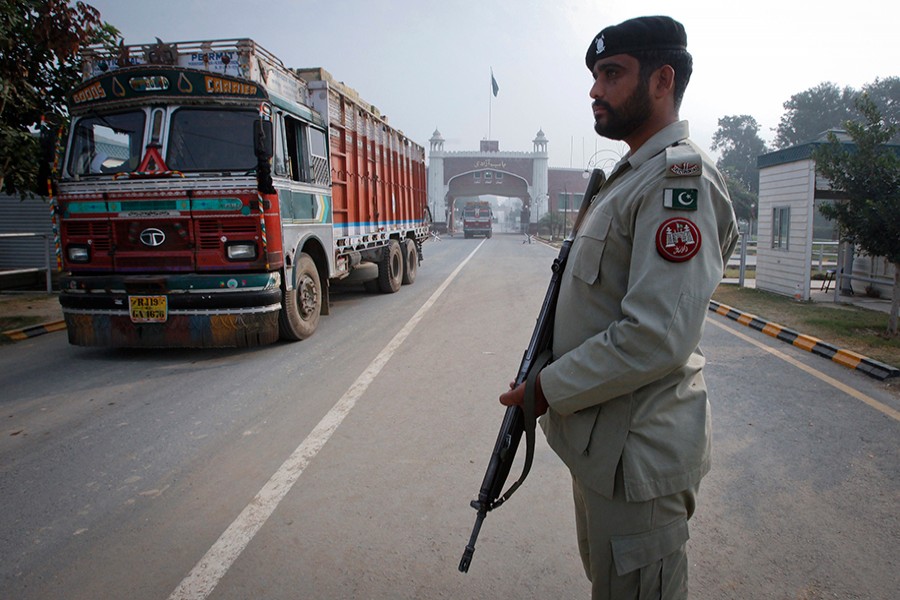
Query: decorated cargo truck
(209, 196)
(478, 219)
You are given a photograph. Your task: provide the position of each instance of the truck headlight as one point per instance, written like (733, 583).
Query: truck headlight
(78, 254)
(241, 251)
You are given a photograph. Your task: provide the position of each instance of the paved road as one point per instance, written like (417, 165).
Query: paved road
(342, 466)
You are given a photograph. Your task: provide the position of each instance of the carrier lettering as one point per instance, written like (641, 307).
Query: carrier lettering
(217, 85)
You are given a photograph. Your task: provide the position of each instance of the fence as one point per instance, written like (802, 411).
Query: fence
(824, 255)
(47, 254)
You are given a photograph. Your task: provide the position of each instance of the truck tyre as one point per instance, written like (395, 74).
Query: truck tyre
(301, 306)
(410, 261)
(390, 268)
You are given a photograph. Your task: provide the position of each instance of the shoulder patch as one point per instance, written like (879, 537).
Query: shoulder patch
(678, 240)
(682, 161)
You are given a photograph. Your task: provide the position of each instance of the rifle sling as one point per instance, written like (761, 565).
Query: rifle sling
(529, 420)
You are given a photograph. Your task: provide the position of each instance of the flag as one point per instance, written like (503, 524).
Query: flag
(494, 87)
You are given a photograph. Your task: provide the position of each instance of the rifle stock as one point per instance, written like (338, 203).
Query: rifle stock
(516, 420)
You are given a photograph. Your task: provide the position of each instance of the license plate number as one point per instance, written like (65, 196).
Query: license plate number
(148, 309)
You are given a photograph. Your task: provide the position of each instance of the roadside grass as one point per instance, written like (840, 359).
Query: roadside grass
(735, 272)
(750, 273)
(19, 310)
(848, 327)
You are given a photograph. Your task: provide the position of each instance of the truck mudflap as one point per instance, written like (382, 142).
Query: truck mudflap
(184, 311)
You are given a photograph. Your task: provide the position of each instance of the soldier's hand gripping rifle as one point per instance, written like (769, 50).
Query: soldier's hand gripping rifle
(516, 419)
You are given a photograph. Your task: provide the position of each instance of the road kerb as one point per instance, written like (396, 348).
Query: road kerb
(847, 358)
(34, 330)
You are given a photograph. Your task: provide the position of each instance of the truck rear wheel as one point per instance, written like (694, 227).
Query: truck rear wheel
(410, 261)
(390, 268)
(301, 306)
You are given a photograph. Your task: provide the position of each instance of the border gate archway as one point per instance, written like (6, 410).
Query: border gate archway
(514, 182)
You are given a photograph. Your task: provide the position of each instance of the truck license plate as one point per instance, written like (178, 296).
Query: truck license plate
(148, 309)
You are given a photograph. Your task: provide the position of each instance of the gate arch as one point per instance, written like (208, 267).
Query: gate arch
(526, 176)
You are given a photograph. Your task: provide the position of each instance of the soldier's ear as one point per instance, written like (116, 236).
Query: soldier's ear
(662, 81)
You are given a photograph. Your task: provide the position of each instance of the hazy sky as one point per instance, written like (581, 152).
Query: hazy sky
(426, 64)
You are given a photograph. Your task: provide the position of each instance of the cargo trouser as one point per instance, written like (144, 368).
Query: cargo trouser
(633, 549)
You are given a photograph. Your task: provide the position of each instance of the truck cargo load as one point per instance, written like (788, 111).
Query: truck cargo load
(209, 195)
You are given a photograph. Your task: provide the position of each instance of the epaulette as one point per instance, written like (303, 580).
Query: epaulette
(683, 161)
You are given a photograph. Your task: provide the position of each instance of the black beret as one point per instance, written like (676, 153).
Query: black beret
(634, 35)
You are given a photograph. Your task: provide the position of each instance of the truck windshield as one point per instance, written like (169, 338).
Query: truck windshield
(211, 140)
(106, 143)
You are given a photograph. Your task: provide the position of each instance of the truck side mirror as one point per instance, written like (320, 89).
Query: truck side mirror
(262, 139)
(49, 140)
(262, 145)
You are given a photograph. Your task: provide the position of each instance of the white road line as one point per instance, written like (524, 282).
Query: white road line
(815, 373)
(207, 573)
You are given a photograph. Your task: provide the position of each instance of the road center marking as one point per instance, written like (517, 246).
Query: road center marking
(207, 573)
(815, 373)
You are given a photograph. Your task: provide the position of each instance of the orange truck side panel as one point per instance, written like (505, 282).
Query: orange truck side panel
(378, 174)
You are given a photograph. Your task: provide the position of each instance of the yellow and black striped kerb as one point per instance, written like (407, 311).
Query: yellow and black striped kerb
(847, 358)
(34, 330)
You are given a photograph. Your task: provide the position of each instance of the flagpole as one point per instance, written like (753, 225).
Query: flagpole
(490, 104)
(494, 88)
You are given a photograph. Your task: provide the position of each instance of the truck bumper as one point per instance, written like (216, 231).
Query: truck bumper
(200, 311)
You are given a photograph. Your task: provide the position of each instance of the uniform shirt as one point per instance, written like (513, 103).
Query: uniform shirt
(626, 378)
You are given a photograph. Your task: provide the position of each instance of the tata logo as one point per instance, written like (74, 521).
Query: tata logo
(153, 237)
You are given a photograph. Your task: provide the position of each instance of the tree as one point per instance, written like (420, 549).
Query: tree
(827, 106)
(885, 93)
(744, 201)
(868, 172)
(810, 113)
(39, 65)
(737, 138)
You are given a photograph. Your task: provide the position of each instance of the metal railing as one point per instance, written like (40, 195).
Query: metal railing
(827, 253)
(824, 255)
(47, 253)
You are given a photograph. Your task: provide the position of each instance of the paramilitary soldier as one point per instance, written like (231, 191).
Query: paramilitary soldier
(625, 400)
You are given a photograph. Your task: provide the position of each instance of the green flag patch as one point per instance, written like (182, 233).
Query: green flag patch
(680, 199)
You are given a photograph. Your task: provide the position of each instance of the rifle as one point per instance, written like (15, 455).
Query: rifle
(516, 420)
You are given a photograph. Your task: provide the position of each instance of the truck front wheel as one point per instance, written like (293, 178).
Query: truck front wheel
(301, 306)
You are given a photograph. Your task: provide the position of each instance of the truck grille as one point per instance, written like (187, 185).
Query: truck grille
(211, 232)
(98, 232)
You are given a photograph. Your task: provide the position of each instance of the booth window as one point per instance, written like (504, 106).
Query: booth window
(781, 227)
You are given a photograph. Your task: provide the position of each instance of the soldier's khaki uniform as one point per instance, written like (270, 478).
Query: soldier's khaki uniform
(625, 390)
